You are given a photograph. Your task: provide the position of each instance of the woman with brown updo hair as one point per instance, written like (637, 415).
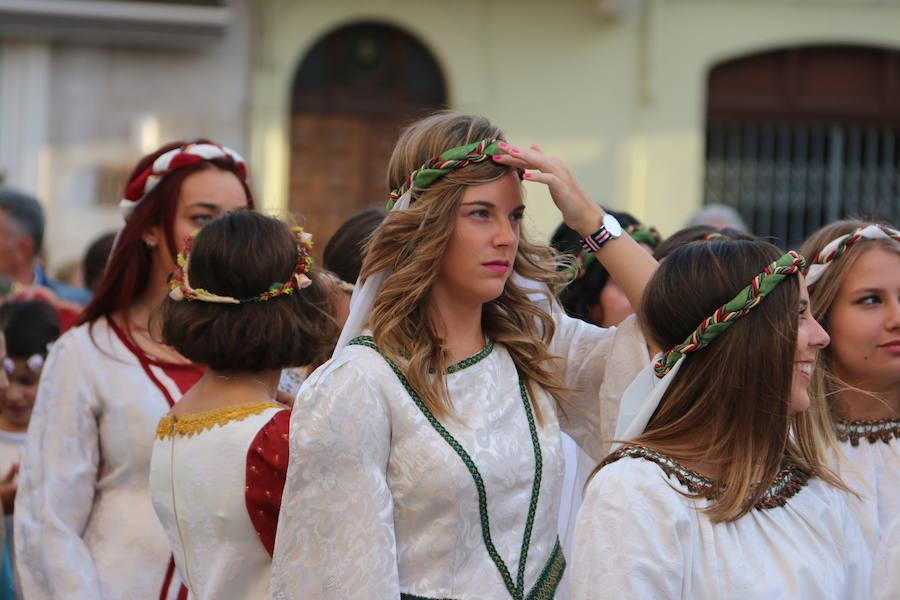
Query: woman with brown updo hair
(425, 456)
(245, 302)
(84, 524)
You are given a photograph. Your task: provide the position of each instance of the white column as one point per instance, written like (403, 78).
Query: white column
(24, 114)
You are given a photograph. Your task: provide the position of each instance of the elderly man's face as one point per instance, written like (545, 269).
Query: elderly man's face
(12, 251)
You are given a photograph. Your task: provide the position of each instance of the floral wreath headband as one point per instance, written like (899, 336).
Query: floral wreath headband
(836, 247)
(181, 286)
(35, 363)
(725, 316)
(170, 161)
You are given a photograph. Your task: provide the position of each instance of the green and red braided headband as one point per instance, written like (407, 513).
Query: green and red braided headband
(437, 167)
(836, 247)
(752, 295)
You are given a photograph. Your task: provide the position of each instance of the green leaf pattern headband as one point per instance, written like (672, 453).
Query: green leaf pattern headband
(437, 167)
(752, 295)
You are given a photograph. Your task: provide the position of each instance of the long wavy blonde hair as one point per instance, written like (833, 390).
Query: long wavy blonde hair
(411, 244)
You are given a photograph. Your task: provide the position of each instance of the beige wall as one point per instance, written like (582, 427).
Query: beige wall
(621, 100)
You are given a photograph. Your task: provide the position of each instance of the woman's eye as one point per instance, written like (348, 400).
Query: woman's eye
(480, 213)
(518, 216)
(869, 300)
(202, 219)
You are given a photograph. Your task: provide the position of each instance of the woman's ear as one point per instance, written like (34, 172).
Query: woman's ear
(151, 236)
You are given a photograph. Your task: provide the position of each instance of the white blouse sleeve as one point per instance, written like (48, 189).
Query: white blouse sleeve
(335, 535)
(57, 481)
(633, 539)
(886, 564)
(598, 365)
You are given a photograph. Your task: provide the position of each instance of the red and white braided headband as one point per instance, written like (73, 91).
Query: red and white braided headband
(170, 161)
(836, 247)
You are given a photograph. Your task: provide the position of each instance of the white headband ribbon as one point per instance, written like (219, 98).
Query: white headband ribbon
(817, 268)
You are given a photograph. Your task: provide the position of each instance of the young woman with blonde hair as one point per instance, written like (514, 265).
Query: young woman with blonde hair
(720, 486)
(854, 284)
(425, 456)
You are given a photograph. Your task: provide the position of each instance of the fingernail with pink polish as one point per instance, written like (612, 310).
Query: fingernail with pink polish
(527, 176)
(496, 156)
(514, 150)
(503, 145)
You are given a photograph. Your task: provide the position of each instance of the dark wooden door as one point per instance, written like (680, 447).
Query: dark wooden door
(354, 92)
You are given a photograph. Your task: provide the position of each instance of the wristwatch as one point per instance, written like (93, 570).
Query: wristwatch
(609, 230)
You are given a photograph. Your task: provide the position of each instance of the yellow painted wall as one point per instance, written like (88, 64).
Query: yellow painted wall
(622, 100)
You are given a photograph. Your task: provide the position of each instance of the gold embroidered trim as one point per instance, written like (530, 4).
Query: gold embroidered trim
(191, 424)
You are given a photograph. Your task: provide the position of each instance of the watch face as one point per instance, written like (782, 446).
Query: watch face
(612, 225)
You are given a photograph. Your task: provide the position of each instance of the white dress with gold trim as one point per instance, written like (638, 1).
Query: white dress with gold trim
(383, 500)
(200, 489)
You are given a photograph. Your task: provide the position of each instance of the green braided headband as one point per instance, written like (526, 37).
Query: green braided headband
(645, 234)
(437, 167)
(752, 295)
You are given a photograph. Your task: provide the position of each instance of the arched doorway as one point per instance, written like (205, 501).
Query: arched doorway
(797, 138)
(353, 92)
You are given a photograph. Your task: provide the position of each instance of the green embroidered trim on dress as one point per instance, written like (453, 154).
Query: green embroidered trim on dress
(516, 590)
(475, 358)
(788, 482)
(873, 431)
(545, 586)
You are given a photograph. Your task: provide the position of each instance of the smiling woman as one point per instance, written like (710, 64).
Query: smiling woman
(854, 283)
(84, 524)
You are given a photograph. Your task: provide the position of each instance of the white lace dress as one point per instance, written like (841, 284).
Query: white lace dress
(84, 525)
(638, 537)
(216, 479)
(383, 500)
(870, 465)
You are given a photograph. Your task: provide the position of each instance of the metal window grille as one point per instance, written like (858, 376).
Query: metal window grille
(789, 179)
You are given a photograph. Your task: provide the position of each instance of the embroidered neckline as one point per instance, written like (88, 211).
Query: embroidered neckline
(475, 358)
(874, 430)
(516, 589)
(788, 482)
(191, 424)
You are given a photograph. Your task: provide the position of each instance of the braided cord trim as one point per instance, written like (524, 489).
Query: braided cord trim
(844, 242)
(437, 167)
(787, 483)
(873, 431)
(545, 586)
(516, 590)
(724, 316)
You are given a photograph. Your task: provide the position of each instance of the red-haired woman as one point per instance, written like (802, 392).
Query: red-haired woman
(85, 527)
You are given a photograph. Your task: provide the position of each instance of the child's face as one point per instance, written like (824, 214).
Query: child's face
(17, 400)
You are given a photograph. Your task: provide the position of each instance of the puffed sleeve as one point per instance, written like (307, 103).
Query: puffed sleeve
(267, 462)
(886, 564)
(336, 529)
(632, 538)
(598, 365)
(57, 480)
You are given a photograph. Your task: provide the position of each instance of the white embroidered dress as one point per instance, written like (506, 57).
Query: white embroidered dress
(885, 574)
(870, 465)
(84, 524)
(198, 485)
(638, 537)
(379, 503)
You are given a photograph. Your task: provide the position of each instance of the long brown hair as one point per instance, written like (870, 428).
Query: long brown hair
(826, 384)
(412, 242)
(729, 404)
